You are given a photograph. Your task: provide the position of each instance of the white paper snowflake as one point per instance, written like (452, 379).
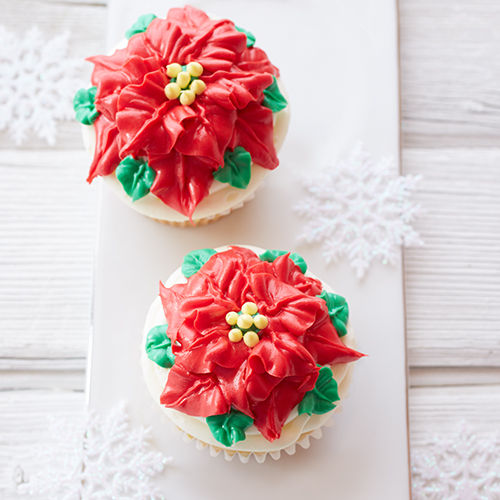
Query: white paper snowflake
(359, 209)
(37, 83)
(94, 457)
(461, 465)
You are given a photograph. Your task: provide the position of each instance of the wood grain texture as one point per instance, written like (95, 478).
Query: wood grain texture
(49, 378)
(450, 72)
(24, 417)
(453, 282)
(437, 410)
(445, 376)
(46, 256)
(95, 3)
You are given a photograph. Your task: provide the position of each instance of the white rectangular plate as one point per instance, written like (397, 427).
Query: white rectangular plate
(339, 64)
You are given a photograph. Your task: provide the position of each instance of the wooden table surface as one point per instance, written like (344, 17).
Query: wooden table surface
(450, 80)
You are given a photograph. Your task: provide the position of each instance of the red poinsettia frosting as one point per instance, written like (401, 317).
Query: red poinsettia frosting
(211, 374)
(183, 144)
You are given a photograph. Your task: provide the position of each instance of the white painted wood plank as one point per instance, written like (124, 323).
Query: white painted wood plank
(454, 376)
(453, 282)
(37, 363)
(439, 409)
(30, 379)
(85, 21)
(450, 72)
(434, 410)
(101, 3)
(24, 416)
(48, 226)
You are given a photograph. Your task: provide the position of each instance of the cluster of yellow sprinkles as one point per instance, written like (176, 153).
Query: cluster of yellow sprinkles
(185, 84)
(244, 323)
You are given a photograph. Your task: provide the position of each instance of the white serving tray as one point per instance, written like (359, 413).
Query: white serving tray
(339, 63)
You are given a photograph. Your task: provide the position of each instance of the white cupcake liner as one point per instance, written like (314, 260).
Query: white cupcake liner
(304, 441)
(204, 220)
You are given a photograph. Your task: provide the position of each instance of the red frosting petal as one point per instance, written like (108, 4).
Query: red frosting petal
(324, 344)
(280, 355)
(287, 308)
(255, 59)
(285, 269)
(191, 18)
(165, 39)
(207, 136)
(181, 181)
(254, 132)
(280, 372)
(106, 149)
(112, 82)
(228, 273)
(271, 414)
(235, 90)
(215, 46)
(193, 308)
(194, 394)
(125, 66)
(213, 352)
(148, 123)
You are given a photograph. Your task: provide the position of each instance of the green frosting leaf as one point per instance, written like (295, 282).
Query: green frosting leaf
(250, 36)
(237, 168)
(83, 104)
(140, 25)
(159, 347)
(273, 98)
(320, 399)
(229, 428)
(136, 177)
(272, 255)
(338, 310)
(193, 261)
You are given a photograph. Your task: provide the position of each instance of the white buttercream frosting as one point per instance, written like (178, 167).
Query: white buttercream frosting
(295, 426)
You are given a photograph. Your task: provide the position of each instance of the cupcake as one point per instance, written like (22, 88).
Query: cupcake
(247, 352)
(185, 118)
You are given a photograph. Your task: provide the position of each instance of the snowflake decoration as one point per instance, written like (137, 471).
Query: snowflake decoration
(96, 456)
(360, 209)
(37, 83)
(462, 465)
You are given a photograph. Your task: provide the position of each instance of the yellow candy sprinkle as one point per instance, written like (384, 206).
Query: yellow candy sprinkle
(251, 339)
(195, 69)
(231, 318)
(187, 97)
(249, 308)
(172, 90)
(235, 335)
(245, 321)
(260, 321)
(183, 79)
(198, 86)
(173, 70)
